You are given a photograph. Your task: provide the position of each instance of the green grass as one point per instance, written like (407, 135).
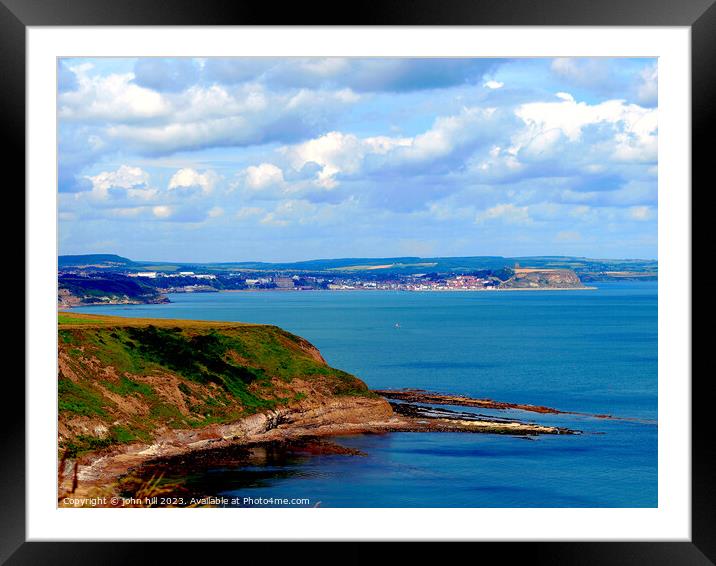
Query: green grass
(84, 443)
(80, 399)
(127, 387)
(235, 368)
(64, 318)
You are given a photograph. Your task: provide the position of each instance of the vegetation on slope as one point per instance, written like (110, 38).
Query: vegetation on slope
(110, 287)
(122, 380)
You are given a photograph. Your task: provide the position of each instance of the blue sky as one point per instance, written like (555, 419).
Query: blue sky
(282, 159)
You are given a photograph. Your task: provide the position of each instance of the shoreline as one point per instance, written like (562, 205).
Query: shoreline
(585, 288)
(94, 473)
(493, 290)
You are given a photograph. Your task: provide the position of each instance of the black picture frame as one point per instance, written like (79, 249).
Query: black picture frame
(17, 15)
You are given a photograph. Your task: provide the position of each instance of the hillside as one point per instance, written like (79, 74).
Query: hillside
(543, 279)
(122, 380)
(604, 268)
(109, 288)
(93, 260)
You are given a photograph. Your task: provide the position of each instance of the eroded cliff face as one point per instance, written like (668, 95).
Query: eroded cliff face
(543, 279)
(124, 381)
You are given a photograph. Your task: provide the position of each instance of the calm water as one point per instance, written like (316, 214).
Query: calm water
(587, 351)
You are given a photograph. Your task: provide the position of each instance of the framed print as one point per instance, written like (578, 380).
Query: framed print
(421, 276)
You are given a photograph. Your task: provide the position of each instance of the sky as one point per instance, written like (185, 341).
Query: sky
(288, 159)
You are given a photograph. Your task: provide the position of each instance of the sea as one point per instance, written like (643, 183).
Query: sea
(586, 351)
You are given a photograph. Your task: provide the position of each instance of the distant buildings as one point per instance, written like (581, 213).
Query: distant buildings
(284, 282)
(188, 281)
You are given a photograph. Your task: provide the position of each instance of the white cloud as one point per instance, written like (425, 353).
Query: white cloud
(509, 213)
(189, 178)
(634, 128)
(449, 132)
(640, 213)
(125, 177)
(162, 211)
(218, 116)
(114, 97)
(498, 163)
(338, 153)
(215, 212)
(263, 175)
(335, 152)
(493, 84)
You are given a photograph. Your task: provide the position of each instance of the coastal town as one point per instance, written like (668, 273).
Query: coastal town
(287, 281)
(96, 284)
(112, 279)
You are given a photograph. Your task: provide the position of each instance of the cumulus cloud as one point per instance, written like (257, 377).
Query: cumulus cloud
(125, 178)
(263, 175)
(216, 116)
(254, 149)
(340, 154)
(334, 152)
(633, 128)
(191, 179)
(162, 211)
(127, 193)
(114, 97)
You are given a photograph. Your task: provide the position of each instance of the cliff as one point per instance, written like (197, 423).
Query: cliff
(132, 391)
(111, 289)
(124, 380)
(543, 279)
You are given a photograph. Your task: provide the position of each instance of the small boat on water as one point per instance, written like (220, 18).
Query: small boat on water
(397, 325)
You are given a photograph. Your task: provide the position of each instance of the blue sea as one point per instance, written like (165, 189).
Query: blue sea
(591, 351)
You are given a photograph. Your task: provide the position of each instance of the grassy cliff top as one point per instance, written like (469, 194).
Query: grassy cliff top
(126, 379)
(67, 319)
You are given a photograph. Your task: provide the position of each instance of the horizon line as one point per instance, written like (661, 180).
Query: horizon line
(363, 258)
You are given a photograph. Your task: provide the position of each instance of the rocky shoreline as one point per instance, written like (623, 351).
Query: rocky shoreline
(85, 476)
